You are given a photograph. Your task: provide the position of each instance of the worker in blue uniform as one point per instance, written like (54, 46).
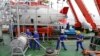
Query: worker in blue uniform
(36, 40)
(79, 42)
(60, 41)
(28, 35)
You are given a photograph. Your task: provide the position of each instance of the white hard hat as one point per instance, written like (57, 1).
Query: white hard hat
(35, 32)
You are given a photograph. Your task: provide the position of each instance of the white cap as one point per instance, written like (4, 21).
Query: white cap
(35, 32)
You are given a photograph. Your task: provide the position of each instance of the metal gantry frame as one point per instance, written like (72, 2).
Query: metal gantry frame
(18, 19)
(35, 22)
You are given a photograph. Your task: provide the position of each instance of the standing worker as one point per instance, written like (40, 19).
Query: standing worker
(79, 40)
(28, 35)
(60, 41)
(36, 40)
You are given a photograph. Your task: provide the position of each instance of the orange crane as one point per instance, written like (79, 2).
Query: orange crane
(85, 13)
(97, 3)
(77, 22)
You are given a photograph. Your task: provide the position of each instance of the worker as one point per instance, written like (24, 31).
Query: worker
(67, 26)
(60, 41)
(79, 38)
(36, 40)
(28, 35)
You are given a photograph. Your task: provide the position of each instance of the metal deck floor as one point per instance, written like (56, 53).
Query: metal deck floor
(5, 50)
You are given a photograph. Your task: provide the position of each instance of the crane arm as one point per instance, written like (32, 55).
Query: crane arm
(97, 3)
(77, 23)
(85, 13)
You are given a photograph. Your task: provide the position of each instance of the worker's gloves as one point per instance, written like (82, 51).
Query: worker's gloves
(80, 40)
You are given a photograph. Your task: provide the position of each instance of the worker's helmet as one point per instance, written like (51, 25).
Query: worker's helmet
(78, 32)
(35, 31)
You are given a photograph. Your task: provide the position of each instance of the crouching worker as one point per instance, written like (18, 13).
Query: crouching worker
(86, 52)
(36, 40)
(60, 41)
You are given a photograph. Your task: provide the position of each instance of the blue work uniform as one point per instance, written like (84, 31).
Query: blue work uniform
(79, 41)
(61, 40)
(30, 41)
(28, 33)
(36, 45)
